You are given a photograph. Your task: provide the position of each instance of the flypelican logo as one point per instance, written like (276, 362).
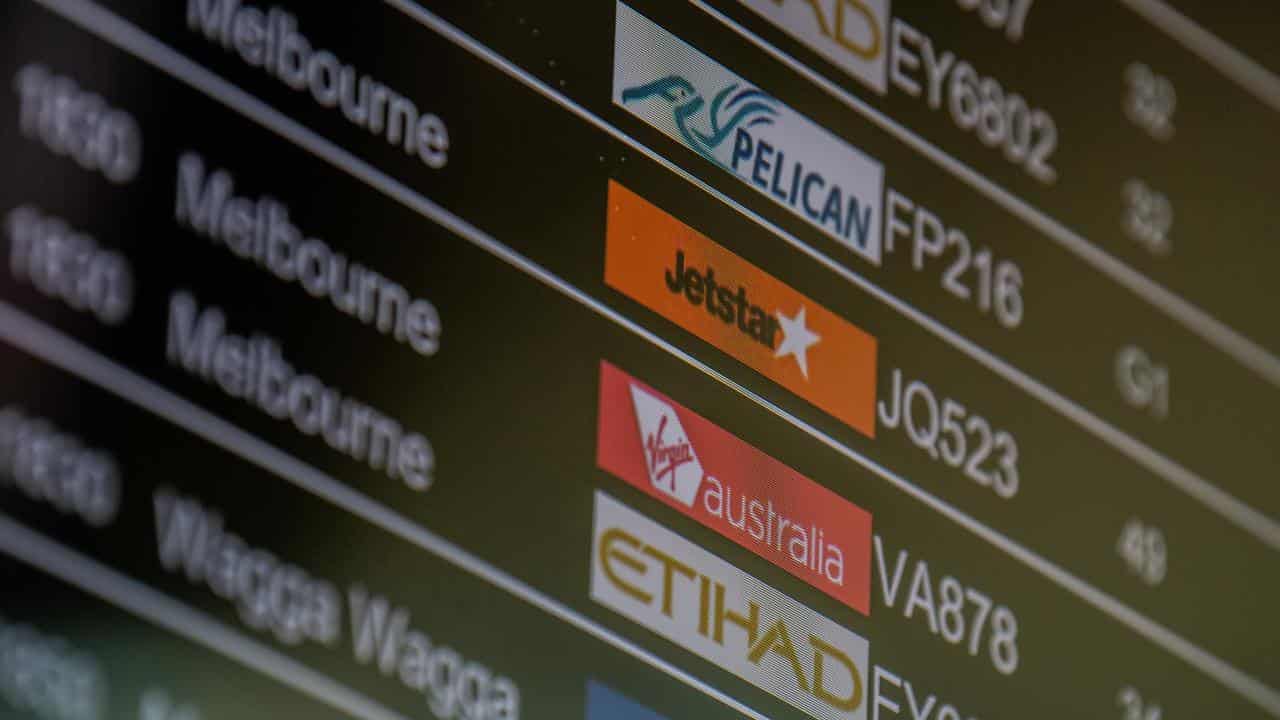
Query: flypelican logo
(711, 608)
(746, 107)
(849, 33)
(832, 185)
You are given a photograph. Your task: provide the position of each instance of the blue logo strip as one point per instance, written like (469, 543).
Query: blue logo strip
(604, 703)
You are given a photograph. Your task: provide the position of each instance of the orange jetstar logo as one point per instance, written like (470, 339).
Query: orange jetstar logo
(672, 269)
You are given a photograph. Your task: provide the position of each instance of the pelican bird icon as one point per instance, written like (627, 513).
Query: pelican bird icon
(743, 106)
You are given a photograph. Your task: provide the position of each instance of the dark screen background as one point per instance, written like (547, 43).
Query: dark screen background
(1137, 556)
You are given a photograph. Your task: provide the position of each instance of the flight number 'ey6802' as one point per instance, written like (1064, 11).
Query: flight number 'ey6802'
(977, 103)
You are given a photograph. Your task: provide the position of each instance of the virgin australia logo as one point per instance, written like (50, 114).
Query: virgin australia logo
(733, 107)
(668, 455)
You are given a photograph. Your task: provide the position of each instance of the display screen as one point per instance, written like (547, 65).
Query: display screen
(639, 360)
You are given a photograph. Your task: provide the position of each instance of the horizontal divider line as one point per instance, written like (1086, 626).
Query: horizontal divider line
(48, 344)
(1241, 69)
(1219, 501)
(25, 332)
(140, 599)
(1216, 333)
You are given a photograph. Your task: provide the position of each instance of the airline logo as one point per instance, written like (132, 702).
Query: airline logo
(702, 470)
(684, 276)
(707, 606)
(605, 703)
(851, 34)
(786, 157)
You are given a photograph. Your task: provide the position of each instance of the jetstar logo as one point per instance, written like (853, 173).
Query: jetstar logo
(848, 33)
(832, 185)
(675, 271)
(733, 488)
(711, 608)
(751, 320)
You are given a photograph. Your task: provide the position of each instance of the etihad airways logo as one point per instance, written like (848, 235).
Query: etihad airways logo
(714, 294)
(785, 156)
(711, 608)
(700, 469)
(848, 33)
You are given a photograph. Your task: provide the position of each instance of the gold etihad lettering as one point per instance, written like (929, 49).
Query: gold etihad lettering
(824, 649)
(778, 640)
(608, 554)
(620, 549)
(841, 11)
(670, 566)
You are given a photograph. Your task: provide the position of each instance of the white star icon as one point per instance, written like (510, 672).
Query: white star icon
(796, 340)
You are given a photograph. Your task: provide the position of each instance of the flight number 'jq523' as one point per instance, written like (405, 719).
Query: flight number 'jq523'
(949, 433)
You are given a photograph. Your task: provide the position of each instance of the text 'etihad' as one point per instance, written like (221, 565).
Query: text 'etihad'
(711, 608)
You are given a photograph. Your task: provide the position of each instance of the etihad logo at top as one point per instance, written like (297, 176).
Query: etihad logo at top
(795, 163)
(708, 474)
(851, 34)
(686, 277)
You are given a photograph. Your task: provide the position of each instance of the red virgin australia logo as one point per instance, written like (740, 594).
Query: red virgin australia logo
(669, 457)
(664, 458)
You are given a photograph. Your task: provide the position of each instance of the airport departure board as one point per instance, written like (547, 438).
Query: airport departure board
(639, 359)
